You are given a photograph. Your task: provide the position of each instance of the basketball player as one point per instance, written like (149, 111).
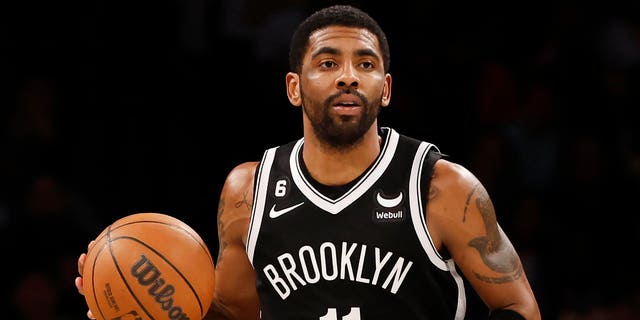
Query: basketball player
(355, 221)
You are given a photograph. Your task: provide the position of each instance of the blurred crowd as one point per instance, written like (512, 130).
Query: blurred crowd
(129, 106)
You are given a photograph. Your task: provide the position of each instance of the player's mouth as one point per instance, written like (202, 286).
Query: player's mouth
(347, 104)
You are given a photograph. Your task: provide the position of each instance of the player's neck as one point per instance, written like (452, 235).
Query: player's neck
(334, 167)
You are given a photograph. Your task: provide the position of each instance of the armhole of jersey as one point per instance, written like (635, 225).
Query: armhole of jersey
(433, 155)
(261, 182)
(421, 172)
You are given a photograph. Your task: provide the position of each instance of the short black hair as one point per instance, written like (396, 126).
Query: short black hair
(336, 15)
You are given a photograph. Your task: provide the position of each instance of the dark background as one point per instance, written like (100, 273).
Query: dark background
(108, 108)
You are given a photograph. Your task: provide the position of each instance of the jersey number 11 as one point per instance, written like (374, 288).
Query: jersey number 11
(332, 314)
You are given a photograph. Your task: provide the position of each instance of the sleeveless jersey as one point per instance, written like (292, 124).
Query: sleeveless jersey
(361, 254)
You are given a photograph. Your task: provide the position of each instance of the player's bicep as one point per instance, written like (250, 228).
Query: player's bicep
(483, 248)
(464, 220)
(234, 208)
(235, 293)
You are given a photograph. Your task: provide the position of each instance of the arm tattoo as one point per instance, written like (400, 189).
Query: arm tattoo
(221, 238)
(244, 202)
(221, 227)
(433, 191)
(466, 203)
(496, 254)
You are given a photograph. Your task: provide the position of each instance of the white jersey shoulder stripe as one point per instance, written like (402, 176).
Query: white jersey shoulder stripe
(417, 206)
(259, 198)
(419, 224)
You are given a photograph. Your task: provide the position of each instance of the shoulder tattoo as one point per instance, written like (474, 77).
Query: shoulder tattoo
(244, 201)
(496, 253)
(221, 229)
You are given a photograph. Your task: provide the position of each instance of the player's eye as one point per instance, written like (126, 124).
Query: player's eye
(367, 65)
(327, 64)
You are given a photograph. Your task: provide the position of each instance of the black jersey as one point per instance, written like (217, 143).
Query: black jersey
(357, 252)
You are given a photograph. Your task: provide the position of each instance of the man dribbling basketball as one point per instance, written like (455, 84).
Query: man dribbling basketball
(356, 221)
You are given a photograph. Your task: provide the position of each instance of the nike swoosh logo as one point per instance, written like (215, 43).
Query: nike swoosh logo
(273, 213)
(389, 203)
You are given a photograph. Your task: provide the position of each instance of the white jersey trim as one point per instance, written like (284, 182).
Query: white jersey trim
(461, 309)
(259, 199)
(417, 207)
(418, 217)
(367, 180)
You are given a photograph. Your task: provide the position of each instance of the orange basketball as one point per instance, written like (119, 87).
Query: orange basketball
(148, 266)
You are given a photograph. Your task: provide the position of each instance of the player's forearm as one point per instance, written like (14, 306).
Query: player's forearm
(239, 310)
(219, 311)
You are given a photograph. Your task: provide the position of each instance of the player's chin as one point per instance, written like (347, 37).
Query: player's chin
(347, 122)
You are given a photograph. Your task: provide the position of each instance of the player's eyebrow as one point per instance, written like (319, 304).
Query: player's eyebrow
(333, 51)
(325, 50)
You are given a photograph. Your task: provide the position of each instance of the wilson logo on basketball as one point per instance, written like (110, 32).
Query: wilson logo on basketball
(149, 275)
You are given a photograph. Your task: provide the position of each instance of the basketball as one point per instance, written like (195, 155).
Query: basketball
(148, 266)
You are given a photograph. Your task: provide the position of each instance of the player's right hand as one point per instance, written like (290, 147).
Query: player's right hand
(78, 282)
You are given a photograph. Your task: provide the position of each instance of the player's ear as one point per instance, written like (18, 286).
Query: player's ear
(386, 91)
(293, 89)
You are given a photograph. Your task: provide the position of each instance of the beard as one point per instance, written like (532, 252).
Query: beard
(340, 132)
